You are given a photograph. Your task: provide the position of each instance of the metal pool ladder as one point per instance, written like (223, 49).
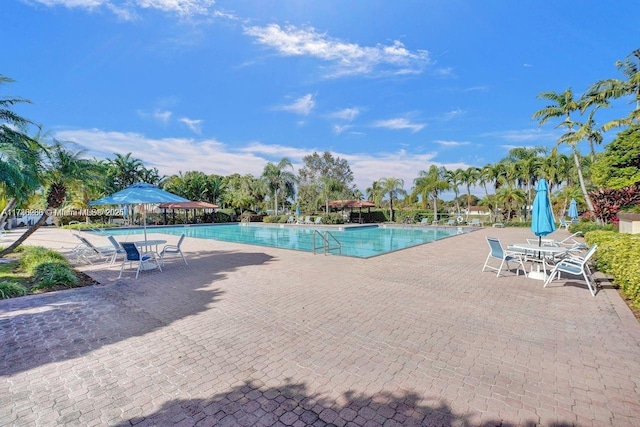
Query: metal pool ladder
(327, 238)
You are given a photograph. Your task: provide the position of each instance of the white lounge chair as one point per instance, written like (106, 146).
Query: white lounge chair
(173, 250)
(576, 266)
(86, 251)
(307, 220)
(474, 223)
(318, 220)
(564, 223)
(496, 251)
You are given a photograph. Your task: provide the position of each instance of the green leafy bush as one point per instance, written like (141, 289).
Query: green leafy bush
(275, 219)
(587, 226)
(36, 255)
(226, 215)
(11, 290)
(333, 218)
(618, 255)
(55, 273)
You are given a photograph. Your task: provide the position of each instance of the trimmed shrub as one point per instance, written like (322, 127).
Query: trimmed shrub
(275, 219)
(618, 255)
(226, 215)
(333, 218)
(55, 273)
(588, 226)
(11, 290)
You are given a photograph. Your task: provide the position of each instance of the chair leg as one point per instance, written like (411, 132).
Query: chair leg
(484, 267)
(500, 268)
(122, 267)
(586, 279)
(183, 258)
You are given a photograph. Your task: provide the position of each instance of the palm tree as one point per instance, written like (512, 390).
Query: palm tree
(394, 188)
(279, 179)
(469, 177)
(375, 193)
(563, 105)
(455, 178)
(430, 184)
(124, 171)
(586, 131)
(62, 168)
(510, 197)
(607, 89)
(329, 188)
(19, 154)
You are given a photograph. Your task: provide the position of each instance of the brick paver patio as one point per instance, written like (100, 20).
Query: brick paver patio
(247, 335)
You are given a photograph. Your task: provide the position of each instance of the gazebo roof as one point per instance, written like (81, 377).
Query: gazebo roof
(351, 204)
(188, 205)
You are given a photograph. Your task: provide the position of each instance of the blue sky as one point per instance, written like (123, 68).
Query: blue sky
(226, 86)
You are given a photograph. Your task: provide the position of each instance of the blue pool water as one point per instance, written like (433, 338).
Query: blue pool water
(361, 242)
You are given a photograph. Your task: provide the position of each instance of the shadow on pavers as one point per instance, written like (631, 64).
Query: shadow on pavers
(56, 326)
(254, 404)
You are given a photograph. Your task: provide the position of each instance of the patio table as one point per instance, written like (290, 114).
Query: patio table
(544, 251)
(146, 244)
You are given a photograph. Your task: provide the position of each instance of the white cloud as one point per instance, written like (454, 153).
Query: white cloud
(445, 143)
(162, 116)
(399, 124)
(450, 115)
(346, 58)
(194, 125)
(338, 129)
(524, 135)
(126, 9)
(347, 114)
(302, 105)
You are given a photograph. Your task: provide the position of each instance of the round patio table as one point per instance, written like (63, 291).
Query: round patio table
(545, 251)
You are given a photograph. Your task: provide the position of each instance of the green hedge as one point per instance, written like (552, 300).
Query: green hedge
(618, 255)
(11, 290)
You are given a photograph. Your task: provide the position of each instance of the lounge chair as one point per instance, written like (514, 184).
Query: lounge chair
(318, 220)
(474, 223)
(145, 261)
(496, 251)
(563, 223)
(424, 221)
(118, 249)
(452, 222)
(173, 250)
(576, 266)
(307, 220)
(291, 219)
(86, 251)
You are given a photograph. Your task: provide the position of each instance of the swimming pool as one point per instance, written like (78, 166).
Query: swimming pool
(360, 242)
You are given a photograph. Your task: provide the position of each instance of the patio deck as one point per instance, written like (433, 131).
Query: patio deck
(250, 335)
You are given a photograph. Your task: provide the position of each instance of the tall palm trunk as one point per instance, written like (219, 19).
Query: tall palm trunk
(11, 203)
(26, 234)
(583, 187)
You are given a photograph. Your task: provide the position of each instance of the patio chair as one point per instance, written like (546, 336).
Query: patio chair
(173, 250)
(474, 223)
(318, 220)
(452, 222)
(118, 249)
(291, 219)
(498, 252)
(86, 251)
(576, 266)
(424, 221)
(146, 261)
(307, 219)
(564, 223)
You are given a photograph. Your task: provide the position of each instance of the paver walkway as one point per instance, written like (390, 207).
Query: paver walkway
(249, 335)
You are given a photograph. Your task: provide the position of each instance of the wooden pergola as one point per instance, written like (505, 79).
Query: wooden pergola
(352, 204)
(187, 206)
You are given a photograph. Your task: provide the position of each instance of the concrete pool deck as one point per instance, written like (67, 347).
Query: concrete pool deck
(248, 335)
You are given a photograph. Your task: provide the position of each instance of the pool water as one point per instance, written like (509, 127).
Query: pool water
(361, 242)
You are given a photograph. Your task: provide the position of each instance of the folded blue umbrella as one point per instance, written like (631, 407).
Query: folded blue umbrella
(542, 221)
